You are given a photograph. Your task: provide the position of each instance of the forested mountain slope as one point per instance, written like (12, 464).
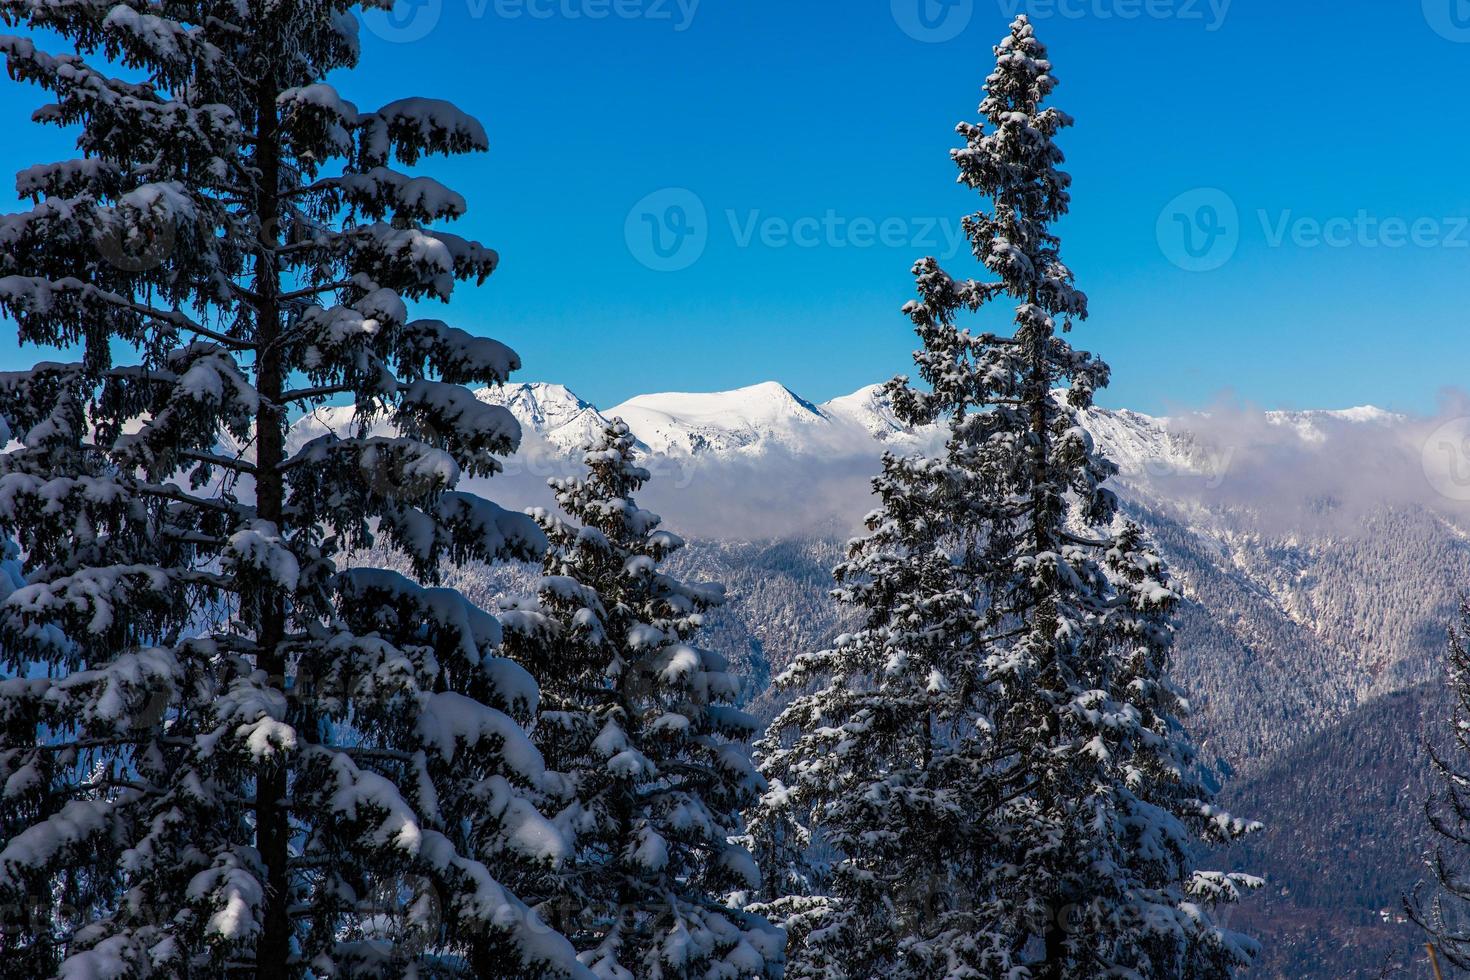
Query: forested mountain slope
(1320, 573)
(1345, 841)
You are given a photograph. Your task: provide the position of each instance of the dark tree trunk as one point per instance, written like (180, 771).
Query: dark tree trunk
(272, 815)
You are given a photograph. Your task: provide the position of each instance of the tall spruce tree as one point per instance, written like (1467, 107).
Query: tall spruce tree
(1444, 911)
(226, 752)
(996, 758)
(641, 723)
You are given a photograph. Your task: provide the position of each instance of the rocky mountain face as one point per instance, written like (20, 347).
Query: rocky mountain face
(1320, 571)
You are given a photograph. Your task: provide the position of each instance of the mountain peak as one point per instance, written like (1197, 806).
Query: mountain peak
(767, 396)
(870, 409)
(553, 412)
(747, 420)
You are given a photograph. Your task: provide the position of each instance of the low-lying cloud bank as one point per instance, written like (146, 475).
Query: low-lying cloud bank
(779, 494)
(1319, 472)
(1307, 472)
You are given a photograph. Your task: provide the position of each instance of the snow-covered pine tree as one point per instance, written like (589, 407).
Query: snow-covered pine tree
(641, 723)
(226, 751)
(996, 757)
(1444, 912)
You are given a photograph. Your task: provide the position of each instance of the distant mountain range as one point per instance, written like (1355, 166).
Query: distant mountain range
(1320, 567)
(747, 422)
(769, 418)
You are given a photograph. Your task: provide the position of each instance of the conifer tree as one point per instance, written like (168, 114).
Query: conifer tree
(226, 751)
(996, 758)
(1444, 912)
(641, 723)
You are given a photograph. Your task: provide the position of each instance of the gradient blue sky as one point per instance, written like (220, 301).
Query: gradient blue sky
(1350, 113)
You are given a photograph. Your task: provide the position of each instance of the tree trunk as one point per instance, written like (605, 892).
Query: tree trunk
(1044, 527)
(1056, 951)
(273, 950)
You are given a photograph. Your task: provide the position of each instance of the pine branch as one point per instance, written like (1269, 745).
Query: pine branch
(308, 292)
(316, 394)
(1088, 542)
(223, 462)
(190, 537)
(119, 742)
(178, 495)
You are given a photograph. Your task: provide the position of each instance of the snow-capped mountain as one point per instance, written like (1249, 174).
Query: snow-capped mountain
(749, 424)
(747, 421)
(869, 409)
(336, 419)
(1309, 425)
(548, 411)
(1141, 444)
(551, 411)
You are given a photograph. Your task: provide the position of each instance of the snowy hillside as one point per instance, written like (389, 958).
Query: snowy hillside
(1275, 523)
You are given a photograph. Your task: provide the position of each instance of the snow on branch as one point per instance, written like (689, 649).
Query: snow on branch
(413, 127)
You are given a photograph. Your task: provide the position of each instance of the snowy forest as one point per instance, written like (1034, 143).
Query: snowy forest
(331, 647)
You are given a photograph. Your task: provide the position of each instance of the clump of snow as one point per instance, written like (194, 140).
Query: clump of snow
(448, 722)
(262, 551)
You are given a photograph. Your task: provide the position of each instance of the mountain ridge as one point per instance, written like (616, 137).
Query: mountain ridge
(769, 417)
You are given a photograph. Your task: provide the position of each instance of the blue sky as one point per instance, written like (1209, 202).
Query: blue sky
(792, 157)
